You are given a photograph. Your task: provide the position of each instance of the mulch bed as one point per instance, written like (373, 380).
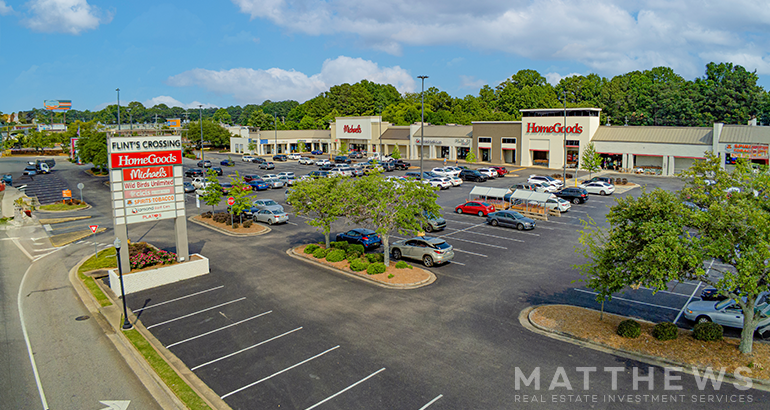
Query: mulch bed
(585, 324)
(254, 228)
(400, 276)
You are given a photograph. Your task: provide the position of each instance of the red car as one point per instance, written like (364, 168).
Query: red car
(475, 207)
(501, 171)
(250, 177)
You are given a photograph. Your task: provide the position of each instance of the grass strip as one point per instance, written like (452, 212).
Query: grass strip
(105, 259)
(60, 206)
(166, 373)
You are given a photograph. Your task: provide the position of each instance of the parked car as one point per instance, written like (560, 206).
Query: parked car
(270, 216)
(445, 172)
(251, 177)
(544, 178)
(727, 312)
(501, 171)
(456, 181)
(193, 172)
(712, 294)
(554, 202)
(472, 175)
(199, 182)
(306, 161)
(601, 188)
(475, 207)
(266, 176)
(218, 170)
(440, 182)
(488, 172)
(387, 166)
(511, 219)
(526, 187)
(341, 159)
(266, 204)
(30, 170)
(226, 187)
(287, 181)
(204, 164)
(362, 236)
(600, 179)
(258, 160)
(355, 155)
(274, 183)
(543, 186)
(322, 162)
(280, 157)
(433, 223)
(316, 152)
(427, 249)
(188, 187)
(267, 165)
(326, 167)
(574, 195)
(286, 174)
(318, 174)
(341, 171)
(247, 158)
(258, 185)
(227, 163)
(294, 156)
(401, 164)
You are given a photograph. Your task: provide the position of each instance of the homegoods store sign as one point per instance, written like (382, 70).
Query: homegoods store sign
(146, 178)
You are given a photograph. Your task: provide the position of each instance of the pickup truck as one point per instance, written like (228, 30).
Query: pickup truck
(400, 164)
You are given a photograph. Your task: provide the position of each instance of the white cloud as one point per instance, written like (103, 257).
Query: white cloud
(64, 16)
(248, 85)
(5, 9)
(608, 36)
(554, 78)
(469, 81)
(173, 102)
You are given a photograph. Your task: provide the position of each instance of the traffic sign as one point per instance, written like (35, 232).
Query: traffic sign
(230, 201)
(93, 228)
(66, 193)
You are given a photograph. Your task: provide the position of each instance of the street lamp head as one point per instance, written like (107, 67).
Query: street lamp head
(117, 243)
(422, 77)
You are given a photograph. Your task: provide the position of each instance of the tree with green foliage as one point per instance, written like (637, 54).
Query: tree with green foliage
(301, 147)
(222, 116)
(92, 144)
(213, 133)
(343, 147)
(240, 193)
(664, 236)
(396, 154)
(212, 194)
(389, 206)
(252, 147)
(321, 199)
(590, 161)
(471, 157)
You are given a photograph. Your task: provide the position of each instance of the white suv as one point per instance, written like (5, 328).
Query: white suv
(343, 171)
(306, 161)
(541, 178)
(247, 158)
(294, 156)
(446, 172)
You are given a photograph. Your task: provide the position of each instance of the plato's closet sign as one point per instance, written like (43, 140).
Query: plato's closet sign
(146, 178)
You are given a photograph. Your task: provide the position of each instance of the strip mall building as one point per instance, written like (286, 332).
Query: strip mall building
(544, 137)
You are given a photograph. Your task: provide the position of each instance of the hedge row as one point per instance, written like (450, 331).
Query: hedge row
(663, 331)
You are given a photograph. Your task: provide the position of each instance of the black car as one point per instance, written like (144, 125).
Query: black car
(280, 157)
(355, 154)
(472, 175)
(413, 175)
(400, 164)
(204, 164)
(341, 159)
(227, 162)
(318, 174)
(326, 167)
(218, 170)
(258, 160)
(364, 237)
(712, 294)
(574, 195)
(193, 172)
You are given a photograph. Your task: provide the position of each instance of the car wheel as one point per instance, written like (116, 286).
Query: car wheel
(459, 210)
(481, 213)
(576, 201)
(494, 222)
(428, 228)
(520, 227)
(427, 261)
(396, 254)
(602, 193)
(269, 221)
(703, 319)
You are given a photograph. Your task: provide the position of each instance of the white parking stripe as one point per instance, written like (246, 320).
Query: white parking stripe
(479, 243)
(457, 263)
(460, 230)
(472, 253)
(345, 389)
(277, 373)
(174, 300)
(666, 291)
(291, 223)
(195, 313)
(431, 402)
(245, 349)
(629, 300)
(217, 330)
(460, 222)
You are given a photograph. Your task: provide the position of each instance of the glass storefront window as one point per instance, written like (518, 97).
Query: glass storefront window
(462, 152)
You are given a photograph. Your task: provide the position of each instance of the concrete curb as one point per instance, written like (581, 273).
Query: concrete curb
(526, 321)
(80, 235)
(432, 278)
(228, 233)
(111, 320)
(52, 221)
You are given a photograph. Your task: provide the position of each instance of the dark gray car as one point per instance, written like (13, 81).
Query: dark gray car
(511, 219)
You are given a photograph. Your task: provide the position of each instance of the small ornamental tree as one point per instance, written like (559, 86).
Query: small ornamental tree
(396, 154)
(301, 147)
(471, 157)
(343, 147)
(212, 193)
(252, 147)
(319, 199)
(591, 160)
(240, 193)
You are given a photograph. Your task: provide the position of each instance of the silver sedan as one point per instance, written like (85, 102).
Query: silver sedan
(427, 249)
(274, 183)
(726, 312)
(271, 216)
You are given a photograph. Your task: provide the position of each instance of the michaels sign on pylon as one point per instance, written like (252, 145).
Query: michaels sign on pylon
(349, 129)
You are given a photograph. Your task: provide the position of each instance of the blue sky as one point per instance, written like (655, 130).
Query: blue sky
(222, 53)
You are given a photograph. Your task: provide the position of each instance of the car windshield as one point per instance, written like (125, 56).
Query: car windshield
(485, 204)
(723, 304)
(270, 202)
(442, 245)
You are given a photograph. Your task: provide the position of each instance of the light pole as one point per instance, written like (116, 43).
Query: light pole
(422, 121)
(379, 135)
(200, 107)
(118, 90)
(126, 324)
(275, 125)
(564, 174)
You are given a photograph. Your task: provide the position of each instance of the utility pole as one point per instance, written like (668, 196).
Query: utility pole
(200, 107)
(118, 90)
(422, 122)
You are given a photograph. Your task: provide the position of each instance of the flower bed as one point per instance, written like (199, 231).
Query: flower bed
(142, 255)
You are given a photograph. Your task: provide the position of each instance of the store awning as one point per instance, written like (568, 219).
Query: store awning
(485, 192)
(526, 195)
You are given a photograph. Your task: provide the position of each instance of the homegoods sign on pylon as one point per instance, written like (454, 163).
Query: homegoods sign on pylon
(146, 184)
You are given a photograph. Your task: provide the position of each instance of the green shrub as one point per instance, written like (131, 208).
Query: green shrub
(391, 275)
(350, 255)
(311, 248)
(629, 328)
(357, 265)
(665, 331)
(354, 247)
(375, 268)
(335, 255)
(375, 257)
(247, 224)
(339, 245)
(207, 214)
(319, 253)
(403, 265)
(236, 225)
(222, 217)
(708, 331)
